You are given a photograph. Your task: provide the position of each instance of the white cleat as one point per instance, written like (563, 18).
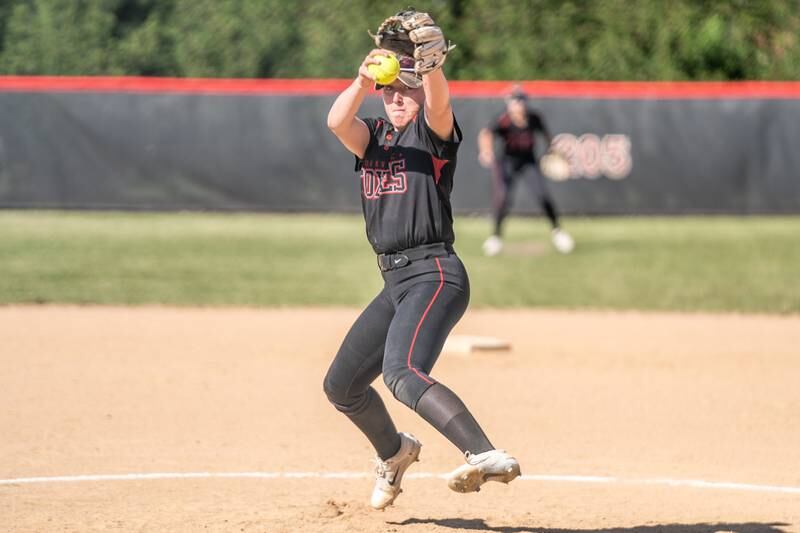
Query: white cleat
(562, 241)
(494, 465)
(492, 246)
(389, 473)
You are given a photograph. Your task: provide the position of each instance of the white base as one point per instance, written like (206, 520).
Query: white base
(471, 343)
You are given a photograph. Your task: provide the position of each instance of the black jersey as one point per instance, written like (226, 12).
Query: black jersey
(518, 142)
(406, 181)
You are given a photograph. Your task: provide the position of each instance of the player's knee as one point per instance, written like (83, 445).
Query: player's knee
(335, 390)
(341, 395)
(399, 381)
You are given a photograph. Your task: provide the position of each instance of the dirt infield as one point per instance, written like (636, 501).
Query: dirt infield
(623, 423)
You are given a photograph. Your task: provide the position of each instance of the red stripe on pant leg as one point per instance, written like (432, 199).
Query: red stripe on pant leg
(421, 320)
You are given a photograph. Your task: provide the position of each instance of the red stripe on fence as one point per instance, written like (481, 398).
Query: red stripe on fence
(102, 84)
(616, 90)
(634, 90)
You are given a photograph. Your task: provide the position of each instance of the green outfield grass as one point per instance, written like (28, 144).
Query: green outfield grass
(697, 263)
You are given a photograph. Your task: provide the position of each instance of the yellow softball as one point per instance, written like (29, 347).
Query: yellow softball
(386, 71)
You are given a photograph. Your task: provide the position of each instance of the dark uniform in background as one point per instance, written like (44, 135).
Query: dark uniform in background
(518, 158)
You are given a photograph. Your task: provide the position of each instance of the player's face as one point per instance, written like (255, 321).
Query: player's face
(402, 103)
(516, 109)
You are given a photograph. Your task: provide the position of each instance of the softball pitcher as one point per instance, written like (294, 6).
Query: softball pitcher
(407, 163)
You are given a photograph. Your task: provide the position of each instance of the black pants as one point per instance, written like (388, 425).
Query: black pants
(400, 335)
(504, 173)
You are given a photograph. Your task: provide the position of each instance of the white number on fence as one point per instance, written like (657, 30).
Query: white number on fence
(590, 156)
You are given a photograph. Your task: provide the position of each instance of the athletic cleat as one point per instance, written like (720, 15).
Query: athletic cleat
(492, 246)
(562, 241)
(494, 465)
(389, 473)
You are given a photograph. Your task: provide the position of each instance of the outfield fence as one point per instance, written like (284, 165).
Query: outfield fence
(263, 145)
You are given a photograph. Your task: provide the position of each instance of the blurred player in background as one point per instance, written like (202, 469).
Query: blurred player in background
(517, 128)
(407, 165)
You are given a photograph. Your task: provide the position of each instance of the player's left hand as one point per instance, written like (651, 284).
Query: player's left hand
(414, 34)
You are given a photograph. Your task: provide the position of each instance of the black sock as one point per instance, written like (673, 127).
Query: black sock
(445, 411)
(550, 211)
(373, 420)
(498, 226)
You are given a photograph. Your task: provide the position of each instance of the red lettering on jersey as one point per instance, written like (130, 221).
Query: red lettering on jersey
(377, 182)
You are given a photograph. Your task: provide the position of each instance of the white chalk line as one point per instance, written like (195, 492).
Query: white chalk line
(693, 483)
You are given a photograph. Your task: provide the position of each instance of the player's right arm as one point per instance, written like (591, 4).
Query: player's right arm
(486, 147)
(537, 122)
(342, 120)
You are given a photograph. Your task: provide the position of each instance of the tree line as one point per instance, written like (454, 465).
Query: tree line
(496, 39)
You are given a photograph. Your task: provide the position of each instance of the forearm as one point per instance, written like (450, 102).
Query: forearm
(344, 108)
(547, 137)
(438, 111)
(485, 141)
(545, 131)
(437, 94)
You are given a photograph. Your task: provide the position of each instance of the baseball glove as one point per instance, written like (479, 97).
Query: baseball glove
(414, 34)
(555, 166)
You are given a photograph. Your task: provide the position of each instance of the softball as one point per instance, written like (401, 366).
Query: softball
(386, 71)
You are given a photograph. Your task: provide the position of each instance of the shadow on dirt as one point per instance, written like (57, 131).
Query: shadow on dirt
(478, 524)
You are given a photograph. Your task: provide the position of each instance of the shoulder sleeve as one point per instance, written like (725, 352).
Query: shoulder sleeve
(373, 124)
(536, 121)
(441, 148)
(497, 125)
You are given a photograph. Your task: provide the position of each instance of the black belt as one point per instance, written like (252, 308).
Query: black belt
(391, 261)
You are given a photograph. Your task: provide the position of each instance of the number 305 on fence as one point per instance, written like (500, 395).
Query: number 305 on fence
(591, 156)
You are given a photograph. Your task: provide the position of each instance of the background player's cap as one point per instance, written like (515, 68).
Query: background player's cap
(517, 93)
(407, 76)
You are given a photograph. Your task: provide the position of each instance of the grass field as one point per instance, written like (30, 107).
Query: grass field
(691, 263)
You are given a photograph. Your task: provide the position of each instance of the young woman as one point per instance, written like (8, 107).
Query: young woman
(407, 162)
(517, 128)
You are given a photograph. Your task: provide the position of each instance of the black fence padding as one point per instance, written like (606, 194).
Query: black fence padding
(266, 152)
